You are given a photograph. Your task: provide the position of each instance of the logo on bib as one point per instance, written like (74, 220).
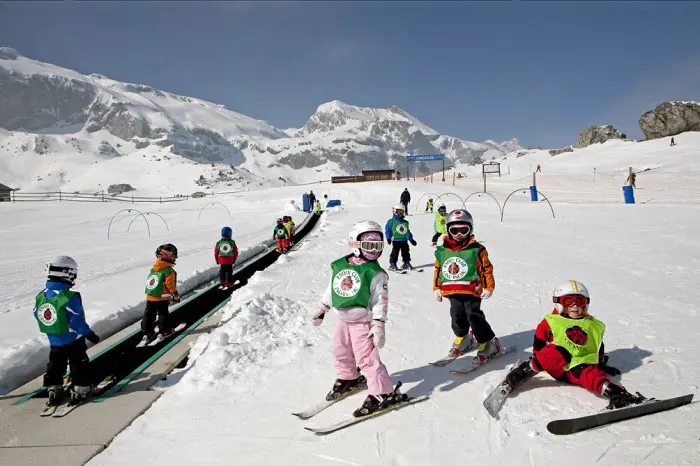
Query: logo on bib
(225, 248)
(47, 314)
(401, 229)
(455, 268)
(152, 282)
(346, 283)
(577, 335)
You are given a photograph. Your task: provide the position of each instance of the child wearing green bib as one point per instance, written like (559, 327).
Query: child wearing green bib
(358, 291)
(225, 254)
(569, 346)
(161, 287)
(60, 315)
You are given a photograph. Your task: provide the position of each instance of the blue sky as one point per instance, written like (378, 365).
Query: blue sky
(538, 71)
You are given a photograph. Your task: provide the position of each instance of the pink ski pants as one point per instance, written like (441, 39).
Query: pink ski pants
(353, 348)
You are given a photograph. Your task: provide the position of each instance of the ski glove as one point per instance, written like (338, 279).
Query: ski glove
(92, 338)
(388, 240)
(438, 295)
(413, 242)
(603, 366)
(486, 294)
(176, 298)
(317, 318)
(376, 333)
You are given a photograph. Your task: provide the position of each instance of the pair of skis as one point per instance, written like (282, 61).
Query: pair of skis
(62, 409)
(497, 398)
(355, 420)
(225, 287)
(158, 338)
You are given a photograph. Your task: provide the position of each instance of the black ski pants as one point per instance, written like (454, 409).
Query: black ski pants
(60, 357)
(226, 273)
(466, 313)
(397, 246)
(153, 309)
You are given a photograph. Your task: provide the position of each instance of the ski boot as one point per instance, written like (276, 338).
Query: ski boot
(619, 396)
(521, 374)
(81, 393)
(341, 387)
(392, 266)
(374, 403)
(461, 346)
(55, 395)
(406, 266)
(487, 350)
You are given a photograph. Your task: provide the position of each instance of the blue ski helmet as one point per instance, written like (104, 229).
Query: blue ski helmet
(227, 232)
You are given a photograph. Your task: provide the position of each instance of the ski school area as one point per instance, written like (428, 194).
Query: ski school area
(246, 379)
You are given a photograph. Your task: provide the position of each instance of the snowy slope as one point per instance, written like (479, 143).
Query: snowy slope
(232, 403)
(57, 121)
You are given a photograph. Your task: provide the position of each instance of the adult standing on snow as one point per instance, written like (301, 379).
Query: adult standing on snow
(405, 199)
(312, 198)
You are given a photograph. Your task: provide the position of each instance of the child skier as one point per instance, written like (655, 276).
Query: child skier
(317, 206)
(161, 287)
(358, 291)
(464, 275)
(225, 254)
(569, 346)
(398, 231)
(429, 205)
(440, 224)
(60, 315)
(291, 229)
(281, 235)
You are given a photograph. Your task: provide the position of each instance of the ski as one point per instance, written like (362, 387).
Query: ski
(49, 410)
(650, 406)
(495, 400)
(355, 420)
(314, 410)
(106, 383)
(477, 364)
(449, 359)
(160, 338)
(400, 272)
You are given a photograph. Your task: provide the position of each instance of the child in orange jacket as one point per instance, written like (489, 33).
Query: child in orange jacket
(161, 287)
(464, 275)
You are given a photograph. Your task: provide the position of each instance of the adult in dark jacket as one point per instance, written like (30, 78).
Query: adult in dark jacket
(312, 199)
(405, 199)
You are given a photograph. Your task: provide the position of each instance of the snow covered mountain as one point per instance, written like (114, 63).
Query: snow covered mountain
(66, 130)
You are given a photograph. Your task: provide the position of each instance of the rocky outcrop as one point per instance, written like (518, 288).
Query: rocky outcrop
(595, 134)
(670, 118)
(554, 152)
(117, 119)
(35, 102)
(107, 149)
(119, 188)
(42, 145)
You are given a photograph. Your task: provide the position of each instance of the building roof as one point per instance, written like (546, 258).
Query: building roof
(379, 171)
(5, 188)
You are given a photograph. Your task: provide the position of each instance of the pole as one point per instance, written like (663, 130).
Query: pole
(594, 174)
(443, 168)
(453, 178)
(484, 182)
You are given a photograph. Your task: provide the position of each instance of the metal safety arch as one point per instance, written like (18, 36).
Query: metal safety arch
(479, 193)
(525, 191)
(144, 217)
(212, 203)
(126, 210)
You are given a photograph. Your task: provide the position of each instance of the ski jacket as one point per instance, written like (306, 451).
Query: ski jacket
(170, 285)
(226, 260)
(389, 234)
(77, 327)
(378, 301)
(484, 270)
(405, 197)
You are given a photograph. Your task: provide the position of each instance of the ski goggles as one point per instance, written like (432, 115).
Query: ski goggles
(459, 230)
(570, 300)
(369, 245)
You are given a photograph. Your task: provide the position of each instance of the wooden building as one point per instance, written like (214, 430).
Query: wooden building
(377, 175)
(5, 193)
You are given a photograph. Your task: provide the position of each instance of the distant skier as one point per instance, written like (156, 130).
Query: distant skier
(439, 224)
(317, 206)
(225, 254)
(398, 231)
(291, 229)
(569, 346)
(673, 142)
(464, 275)
(161, 287)
(358, 291)
(281, 235)
(539, 168)
(60, 315)
(405, 199)
(429, 205)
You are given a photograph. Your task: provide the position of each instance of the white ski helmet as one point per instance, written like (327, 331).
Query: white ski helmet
(570, 287)
(459, 216)
(358, 229)
(63, 269)
(398, 207)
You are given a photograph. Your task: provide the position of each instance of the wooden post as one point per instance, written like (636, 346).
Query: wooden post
(103, 195)
(59, 195)
(509, 169)
(534, 179)
(594, 174)
(484, 182)
(443, 168)
(132, 198)
(453, 178)
(161, 199)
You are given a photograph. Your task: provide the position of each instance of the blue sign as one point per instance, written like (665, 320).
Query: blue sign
(413, 158)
